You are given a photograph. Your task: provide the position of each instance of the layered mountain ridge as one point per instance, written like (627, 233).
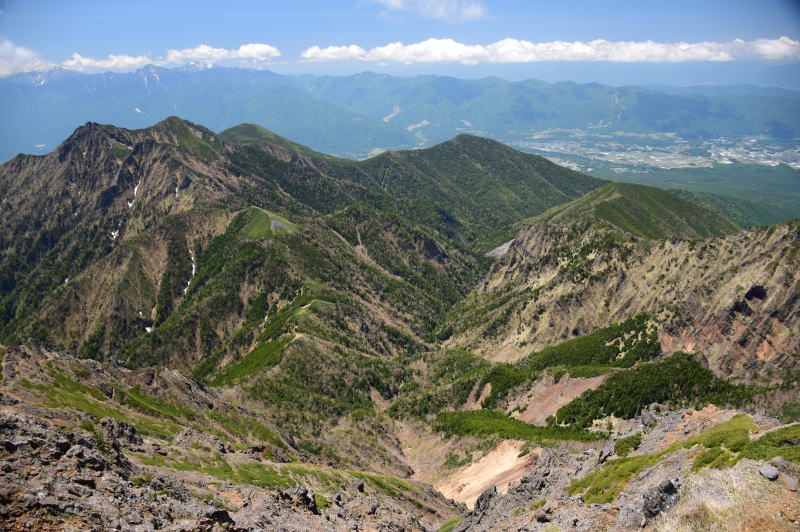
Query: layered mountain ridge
(350, 309)
(372, 111)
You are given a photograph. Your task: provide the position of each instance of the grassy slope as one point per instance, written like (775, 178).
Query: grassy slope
(772, 190)
(742, 212)
(643, 211)
(255, 134)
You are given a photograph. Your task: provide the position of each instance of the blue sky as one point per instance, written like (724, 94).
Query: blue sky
(469, 38)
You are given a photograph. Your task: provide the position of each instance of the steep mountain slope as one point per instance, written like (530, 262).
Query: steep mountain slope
(105, 187)
(734, 298)
(486, 186)
(308, 295)
(249, 264)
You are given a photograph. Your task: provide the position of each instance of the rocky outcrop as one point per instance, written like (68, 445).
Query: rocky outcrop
(661, 498)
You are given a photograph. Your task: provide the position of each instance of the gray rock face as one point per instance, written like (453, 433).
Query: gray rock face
(120, 432)
(769, 472)
(480, 515)
(302, 497)
(661, 498)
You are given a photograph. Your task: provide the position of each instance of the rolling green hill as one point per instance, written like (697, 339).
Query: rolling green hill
(642, 211)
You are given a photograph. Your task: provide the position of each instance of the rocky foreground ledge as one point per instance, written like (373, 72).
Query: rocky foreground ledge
(65, 466)
(76, 455)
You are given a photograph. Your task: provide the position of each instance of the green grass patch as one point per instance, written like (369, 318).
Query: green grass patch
(246, 427)
(154, 406)
(119, 152)
(278, 476)
(263, 224)
(781, 442)
(260, 359)
(65, 392)
(490, 422)
(260, 225)
(391, 486)
(716, 457)
(449, 525)
(724, 441)
(321, 501)
(603, 485)
(452, 461)
(625, 446)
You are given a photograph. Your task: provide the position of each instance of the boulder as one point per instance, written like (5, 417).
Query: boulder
(769, 472)
(302, 497)
(661, 498)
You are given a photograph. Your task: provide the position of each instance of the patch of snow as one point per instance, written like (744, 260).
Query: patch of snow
(395, 111)
(114, 234)
(148, 329)
(135, 191)
(194, 269)
(140, 313)
(412, 127)
(66, 281)
(137, 109)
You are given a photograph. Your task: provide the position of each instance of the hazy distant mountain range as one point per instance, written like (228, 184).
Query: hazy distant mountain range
(357, 115)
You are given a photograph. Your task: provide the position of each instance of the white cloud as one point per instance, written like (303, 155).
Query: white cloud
(112, 62)
(451, 10)
(14, 59)
(253, 55)
(333, 53)
(519, 51)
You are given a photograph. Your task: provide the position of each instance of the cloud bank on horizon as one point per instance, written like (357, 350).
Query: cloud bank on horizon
(520, 51)
(15, 59)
